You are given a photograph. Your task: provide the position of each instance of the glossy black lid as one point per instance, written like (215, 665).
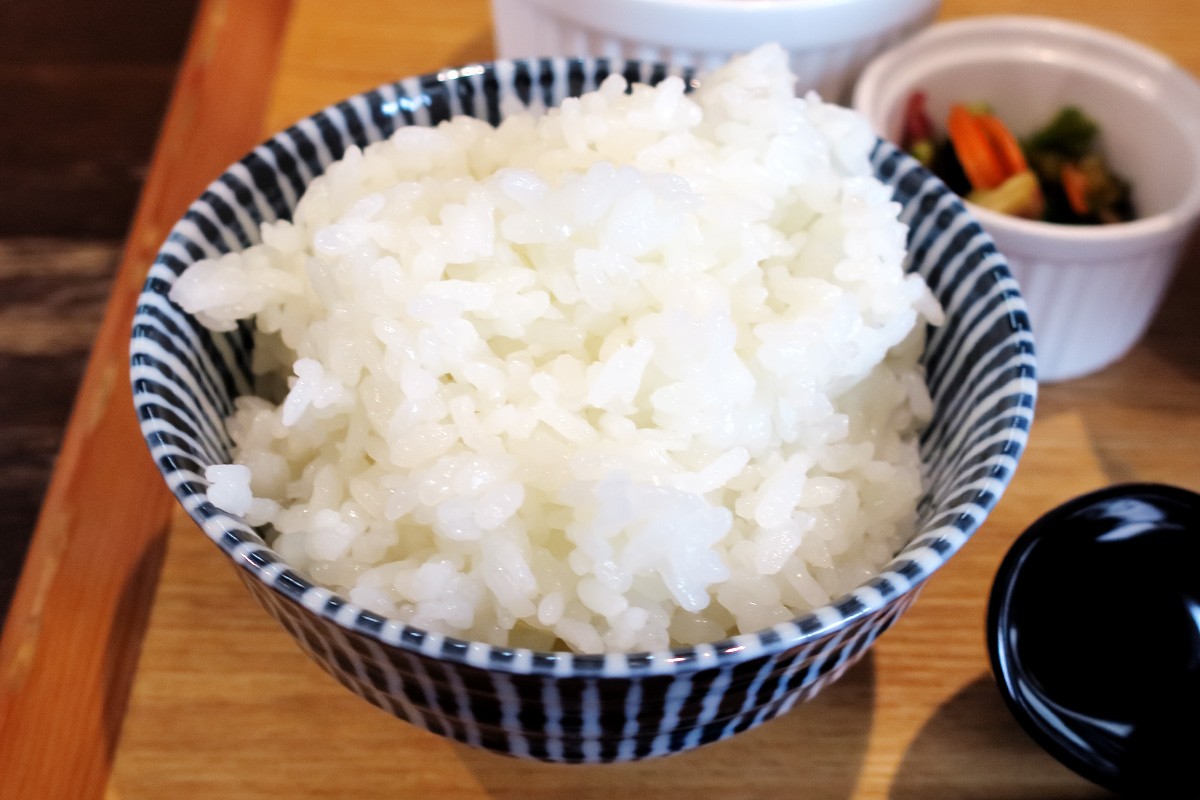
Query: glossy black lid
(1094, 636)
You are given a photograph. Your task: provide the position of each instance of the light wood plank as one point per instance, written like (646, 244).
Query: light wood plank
(1166, 25)
(330, 55)
(214, 663)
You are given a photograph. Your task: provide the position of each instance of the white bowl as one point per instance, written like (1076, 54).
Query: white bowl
(830, 41)
(1092, 291)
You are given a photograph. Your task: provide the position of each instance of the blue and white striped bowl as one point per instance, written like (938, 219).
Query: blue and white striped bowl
(558, 706)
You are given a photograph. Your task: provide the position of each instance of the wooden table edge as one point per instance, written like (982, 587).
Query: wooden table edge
(70, 644)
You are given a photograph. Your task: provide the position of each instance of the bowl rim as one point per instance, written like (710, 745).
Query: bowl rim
(724, 26)
(891, 586)
(1096, 44)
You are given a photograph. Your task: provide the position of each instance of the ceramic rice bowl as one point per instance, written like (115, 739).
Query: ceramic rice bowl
(558, 706)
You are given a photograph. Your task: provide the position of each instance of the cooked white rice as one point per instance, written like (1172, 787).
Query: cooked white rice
(639, 371)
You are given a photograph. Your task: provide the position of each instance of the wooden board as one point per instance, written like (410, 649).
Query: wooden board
(224, 705)
(71, 639)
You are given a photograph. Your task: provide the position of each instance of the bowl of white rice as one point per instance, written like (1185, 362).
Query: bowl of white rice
(583, 410)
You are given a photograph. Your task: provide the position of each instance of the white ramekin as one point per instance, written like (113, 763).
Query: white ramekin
(1092, 291)
(829, 40)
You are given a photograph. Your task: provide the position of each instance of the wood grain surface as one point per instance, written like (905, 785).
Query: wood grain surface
(52, 296)
(84, 90)
(224, 705)
(71, 639)
(83, 103)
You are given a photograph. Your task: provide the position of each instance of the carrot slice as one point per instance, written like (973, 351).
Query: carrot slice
(1075, 187)
(979, 160)
(1005, 144)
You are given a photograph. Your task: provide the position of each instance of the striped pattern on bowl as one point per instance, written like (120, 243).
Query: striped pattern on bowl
(558, 706)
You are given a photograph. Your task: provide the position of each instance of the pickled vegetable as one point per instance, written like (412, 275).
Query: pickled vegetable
(1057, 174)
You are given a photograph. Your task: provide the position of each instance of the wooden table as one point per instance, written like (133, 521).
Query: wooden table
(223, 705)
